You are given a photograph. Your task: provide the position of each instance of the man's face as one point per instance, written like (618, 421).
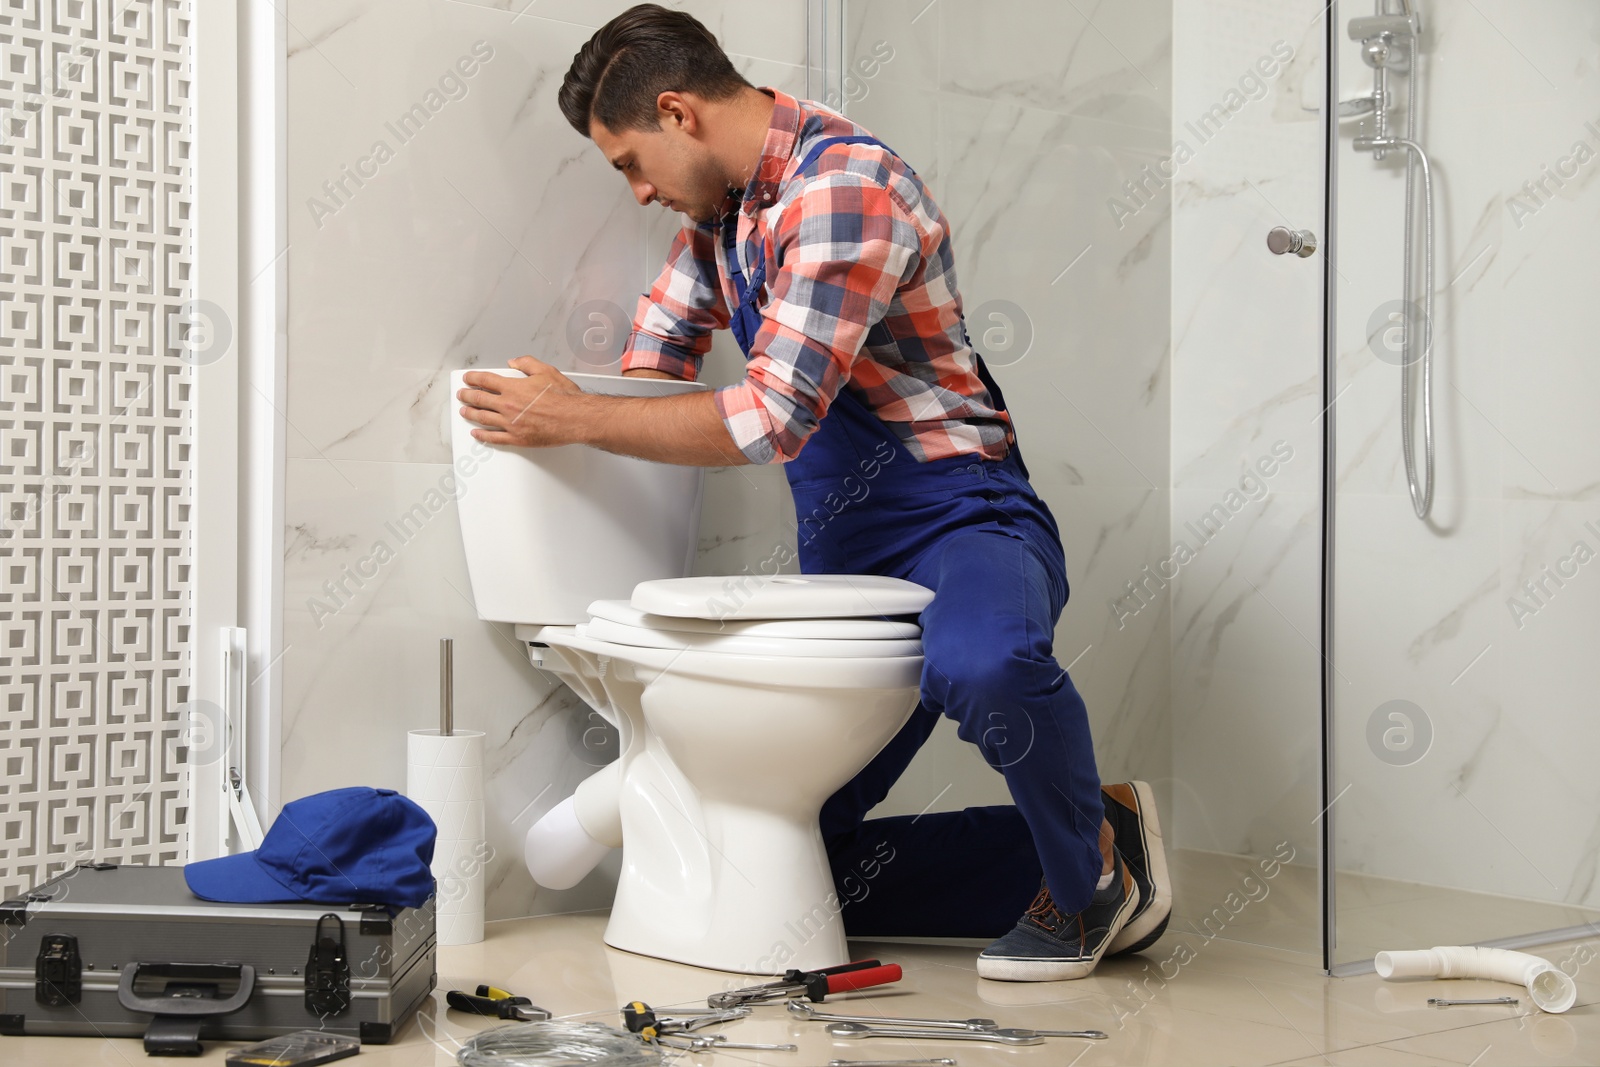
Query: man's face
(667, 166)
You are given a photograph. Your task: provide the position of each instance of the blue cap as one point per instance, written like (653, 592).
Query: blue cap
(346, 846)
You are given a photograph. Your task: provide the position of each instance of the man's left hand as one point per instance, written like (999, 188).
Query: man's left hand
(538, 411)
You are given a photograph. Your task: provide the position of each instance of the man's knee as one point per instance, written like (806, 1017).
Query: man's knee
(969, 679)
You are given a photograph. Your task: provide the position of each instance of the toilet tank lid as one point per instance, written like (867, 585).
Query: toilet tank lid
(781, 596)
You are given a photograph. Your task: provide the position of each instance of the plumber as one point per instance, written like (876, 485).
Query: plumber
(826, 255)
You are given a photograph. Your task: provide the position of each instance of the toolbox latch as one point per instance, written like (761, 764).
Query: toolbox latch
(328, 972)
(375, 920)
(58, 971)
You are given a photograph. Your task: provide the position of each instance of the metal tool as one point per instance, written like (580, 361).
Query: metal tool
(676, 1031)
(1441, 1002)
(862, 974)
(714, 1042)
(999, 1037)
(517, 1009)
(697, 1019)
(802, 1010)
(447, 694)
(931, 1061)
(640, 1018)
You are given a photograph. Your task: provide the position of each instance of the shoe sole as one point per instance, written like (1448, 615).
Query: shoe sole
(1146, 929)
(1032, 969)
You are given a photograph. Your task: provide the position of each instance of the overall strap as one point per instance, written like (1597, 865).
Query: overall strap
(828, 142)
(745, 318)
(730, 229)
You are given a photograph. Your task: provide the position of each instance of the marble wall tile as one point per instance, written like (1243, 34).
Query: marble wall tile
(1057, 295)
(367, 594)
(1245, 664)
(1246, 381)
(473, 244)
(1109, 61)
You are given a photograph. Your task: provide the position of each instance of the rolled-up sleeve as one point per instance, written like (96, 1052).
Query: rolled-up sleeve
(845, 246)
(673, 322)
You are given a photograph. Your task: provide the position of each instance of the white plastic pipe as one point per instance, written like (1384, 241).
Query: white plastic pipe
(573, 837)
(1551, 989)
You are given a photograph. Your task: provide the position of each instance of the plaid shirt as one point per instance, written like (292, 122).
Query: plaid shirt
(861, 294)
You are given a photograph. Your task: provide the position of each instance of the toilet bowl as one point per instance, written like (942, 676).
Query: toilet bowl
(742, 702)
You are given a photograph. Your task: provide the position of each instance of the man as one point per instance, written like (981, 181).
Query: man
(829, 260)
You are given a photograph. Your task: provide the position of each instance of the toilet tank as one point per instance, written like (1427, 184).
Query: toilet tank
(548, 530)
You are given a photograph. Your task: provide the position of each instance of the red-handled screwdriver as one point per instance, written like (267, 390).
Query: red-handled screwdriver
(862, 974)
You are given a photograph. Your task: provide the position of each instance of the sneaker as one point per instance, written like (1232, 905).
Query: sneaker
(1048, 946)
(1131, 810)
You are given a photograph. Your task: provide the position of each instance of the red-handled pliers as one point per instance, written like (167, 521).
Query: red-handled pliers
(862, 974)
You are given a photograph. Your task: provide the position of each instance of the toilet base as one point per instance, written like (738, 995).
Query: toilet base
(763, 900)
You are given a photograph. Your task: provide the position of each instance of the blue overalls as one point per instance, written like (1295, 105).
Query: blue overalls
(974, 531)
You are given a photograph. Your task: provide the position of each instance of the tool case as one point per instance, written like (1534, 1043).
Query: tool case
(126, 951)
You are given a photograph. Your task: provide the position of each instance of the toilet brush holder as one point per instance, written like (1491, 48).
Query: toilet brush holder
(444, 775)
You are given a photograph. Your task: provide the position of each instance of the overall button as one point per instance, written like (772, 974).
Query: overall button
(993, 496)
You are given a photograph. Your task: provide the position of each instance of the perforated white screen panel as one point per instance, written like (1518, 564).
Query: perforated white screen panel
(96, 256)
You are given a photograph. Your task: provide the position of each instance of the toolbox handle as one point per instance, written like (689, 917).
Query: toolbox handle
(192, 974)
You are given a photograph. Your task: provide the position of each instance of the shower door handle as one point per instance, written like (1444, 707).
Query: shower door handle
(1281, 240)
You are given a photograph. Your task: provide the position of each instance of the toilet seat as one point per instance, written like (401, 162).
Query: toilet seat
(738, 644)
(781, 596)
(853, 673)
(854, 629)
(818, 616)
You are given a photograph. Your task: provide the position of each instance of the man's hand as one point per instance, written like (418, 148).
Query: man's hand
(546, 408)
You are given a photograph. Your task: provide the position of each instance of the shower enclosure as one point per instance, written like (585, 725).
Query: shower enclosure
(1332, 516)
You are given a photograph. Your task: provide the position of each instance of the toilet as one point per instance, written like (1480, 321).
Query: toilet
(742, 702)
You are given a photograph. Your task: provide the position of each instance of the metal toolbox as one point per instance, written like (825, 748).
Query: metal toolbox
(121, 951)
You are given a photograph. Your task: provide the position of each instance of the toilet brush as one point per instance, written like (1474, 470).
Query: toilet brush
(444, 774)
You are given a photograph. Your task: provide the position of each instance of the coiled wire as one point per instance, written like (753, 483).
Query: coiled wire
(558, 1044)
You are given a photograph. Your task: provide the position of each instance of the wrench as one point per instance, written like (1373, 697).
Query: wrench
(800, 1009)
(930, 1062)
(690, 1043)
(1000, 1037)
(699, 1020)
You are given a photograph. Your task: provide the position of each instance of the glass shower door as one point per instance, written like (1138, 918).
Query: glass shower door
(1111, 174)
(1463, 667)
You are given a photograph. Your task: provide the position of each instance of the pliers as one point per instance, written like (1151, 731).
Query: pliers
(815, 985)
(496, 1004)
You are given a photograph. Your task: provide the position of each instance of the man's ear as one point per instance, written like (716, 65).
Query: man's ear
(674, 109)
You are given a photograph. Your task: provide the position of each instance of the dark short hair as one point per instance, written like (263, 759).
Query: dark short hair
(630, 61)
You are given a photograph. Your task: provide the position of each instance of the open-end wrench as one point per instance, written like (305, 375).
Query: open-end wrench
(1000, 1037)
(801, 1010)
(690, 1019)
(932, 1061)
(691, 1043)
